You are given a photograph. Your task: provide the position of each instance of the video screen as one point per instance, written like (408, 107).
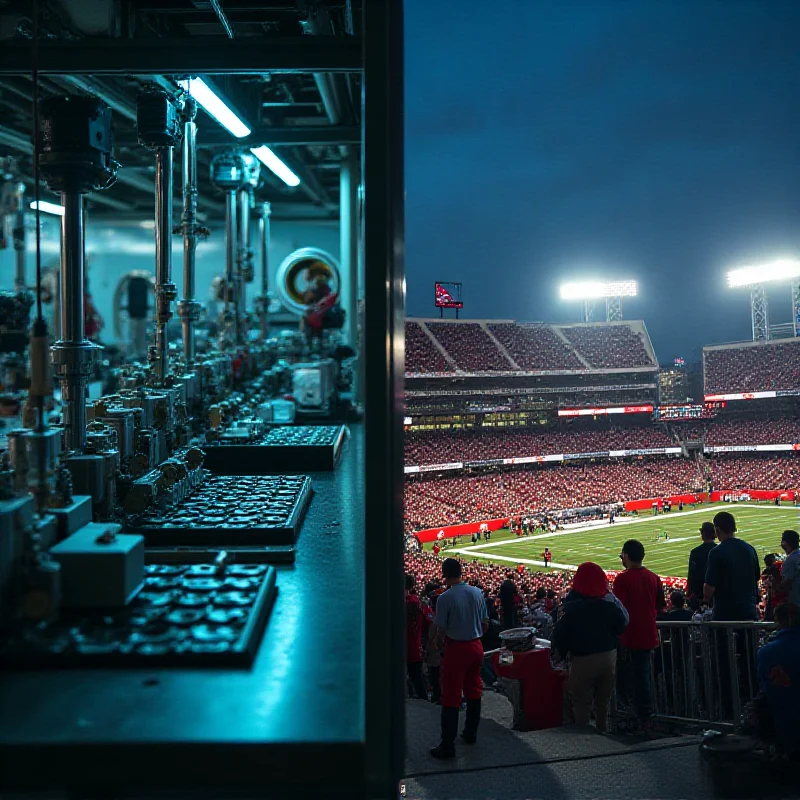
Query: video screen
(448, 295)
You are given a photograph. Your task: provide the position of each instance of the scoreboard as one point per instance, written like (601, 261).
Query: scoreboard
(689, 410)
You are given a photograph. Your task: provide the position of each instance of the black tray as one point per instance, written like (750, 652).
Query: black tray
(186, 615)
(305, 448)
(230, 512)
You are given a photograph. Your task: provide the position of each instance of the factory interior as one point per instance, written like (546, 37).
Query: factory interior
(201, 389)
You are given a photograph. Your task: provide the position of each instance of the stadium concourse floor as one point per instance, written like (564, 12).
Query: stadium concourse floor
(568, 763)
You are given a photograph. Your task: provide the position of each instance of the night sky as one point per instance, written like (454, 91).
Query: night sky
(564, 140)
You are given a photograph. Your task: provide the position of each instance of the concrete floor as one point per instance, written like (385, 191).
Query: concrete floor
(570, 763)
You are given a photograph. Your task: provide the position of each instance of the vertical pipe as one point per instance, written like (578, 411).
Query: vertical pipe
(19, 239)
(72, 268)
(164, 289)
(230, 247)
(264, 234)
(348, 246)
(70, 356)
(242, 264)
(187, 308)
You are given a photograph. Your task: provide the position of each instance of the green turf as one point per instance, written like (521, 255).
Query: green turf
(760, 525)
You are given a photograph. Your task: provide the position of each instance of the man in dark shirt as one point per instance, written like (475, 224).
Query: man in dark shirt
(508, 594)
(698, 560)
(731, 583)
(732, 574)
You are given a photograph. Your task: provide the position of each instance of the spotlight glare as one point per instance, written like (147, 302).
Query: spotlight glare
(593, 290)
(781, 270)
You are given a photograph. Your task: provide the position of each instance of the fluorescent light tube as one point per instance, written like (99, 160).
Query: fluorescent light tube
(272, 162)
(215, 107)
(49, 208)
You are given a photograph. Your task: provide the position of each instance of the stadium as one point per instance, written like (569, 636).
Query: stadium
(545, 433)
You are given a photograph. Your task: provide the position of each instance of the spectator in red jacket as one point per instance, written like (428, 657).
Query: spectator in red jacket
(642, 594)
(415, 618)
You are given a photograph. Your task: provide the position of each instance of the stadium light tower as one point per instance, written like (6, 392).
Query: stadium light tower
(591, 291)
(756, 278)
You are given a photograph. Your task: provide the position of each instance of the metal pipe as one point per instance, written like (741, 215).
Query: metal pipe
(188, 308)
(264, 233)
(244, 266)
(348, 245)
(164, 290)
(19, 238)
(72, 268)
(74, 355)
(230, 246)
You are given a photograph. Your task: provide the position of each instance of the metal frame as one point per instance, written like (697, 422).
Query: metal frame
(208, 55)
(373, 770)
(759, 312)
(384, 304)
(613, 309)
(796, 307)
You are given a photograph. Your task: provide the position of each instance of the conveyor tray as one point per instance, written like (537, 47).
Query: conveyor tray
(186, 615)
(305, 448)
(230, 512)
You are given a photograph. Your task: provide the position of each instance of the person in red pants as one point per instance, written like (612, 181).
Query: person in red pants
(461, 620)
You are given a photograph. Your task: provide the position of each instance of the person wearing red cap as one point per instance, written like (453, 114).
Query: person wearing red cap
(589, 632)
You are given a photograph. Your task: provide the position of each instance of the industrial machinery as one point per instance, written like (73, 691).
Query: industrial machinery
(136, 503)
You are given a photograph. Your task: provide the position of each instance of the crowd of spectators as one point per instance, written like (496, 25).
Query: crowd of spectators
(431, 503)
(535, 347)
(532, 347)
(421, 354)
(470, 346)
(737, 471)
(609, 346)
(752, 369)
(753, 431)
(443, 447)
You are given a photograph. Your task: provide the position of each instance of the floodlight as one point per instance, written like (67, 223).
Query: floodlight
(784, 269)
(49, 208)
(594, 290)
(272, 162)
(214, 106)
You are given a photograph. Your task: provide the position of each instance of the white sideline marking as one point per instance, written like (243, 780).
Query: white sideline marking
(606, 526)
(533, 562)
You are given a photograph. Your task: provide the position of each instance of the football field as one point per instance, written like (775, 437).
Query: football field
(761, 525)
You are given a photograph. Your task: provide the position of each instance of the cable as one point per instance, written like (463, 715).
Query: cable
(35, 79)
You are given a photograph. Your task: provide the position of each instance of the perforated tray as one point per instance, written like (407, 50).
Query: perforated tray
(185, 615)
(231, 512)
(307, 448)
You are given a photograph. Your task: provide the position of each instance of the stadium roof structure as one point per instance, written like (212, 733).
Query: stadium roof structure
(489, 348)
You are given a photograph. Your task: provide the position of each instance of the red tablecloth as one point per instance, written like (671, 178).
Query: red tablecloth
(542, 686)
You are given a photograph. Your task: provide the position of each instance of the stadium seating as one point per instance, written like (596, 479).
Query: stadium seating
(434, 503)
(535, 347)
(752, 369)
(442, 447)
(743, 432)
(735, 471)
(470, 346)
(609, 346)
(421, 354)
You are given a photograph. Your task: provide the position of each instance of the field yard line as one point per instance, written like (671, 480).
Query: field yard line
(638, 521)
(552, 565)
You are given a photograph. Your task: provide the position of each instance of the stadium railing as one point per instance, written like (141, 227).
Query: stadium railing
(705, 672)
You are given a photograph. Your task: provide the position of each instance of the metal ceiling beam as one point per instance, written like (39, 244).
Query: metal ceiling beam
(272, 136)
(185, 56)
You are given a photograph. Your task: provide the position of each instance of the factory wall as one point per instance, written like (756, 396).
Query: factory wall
(114, 249)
